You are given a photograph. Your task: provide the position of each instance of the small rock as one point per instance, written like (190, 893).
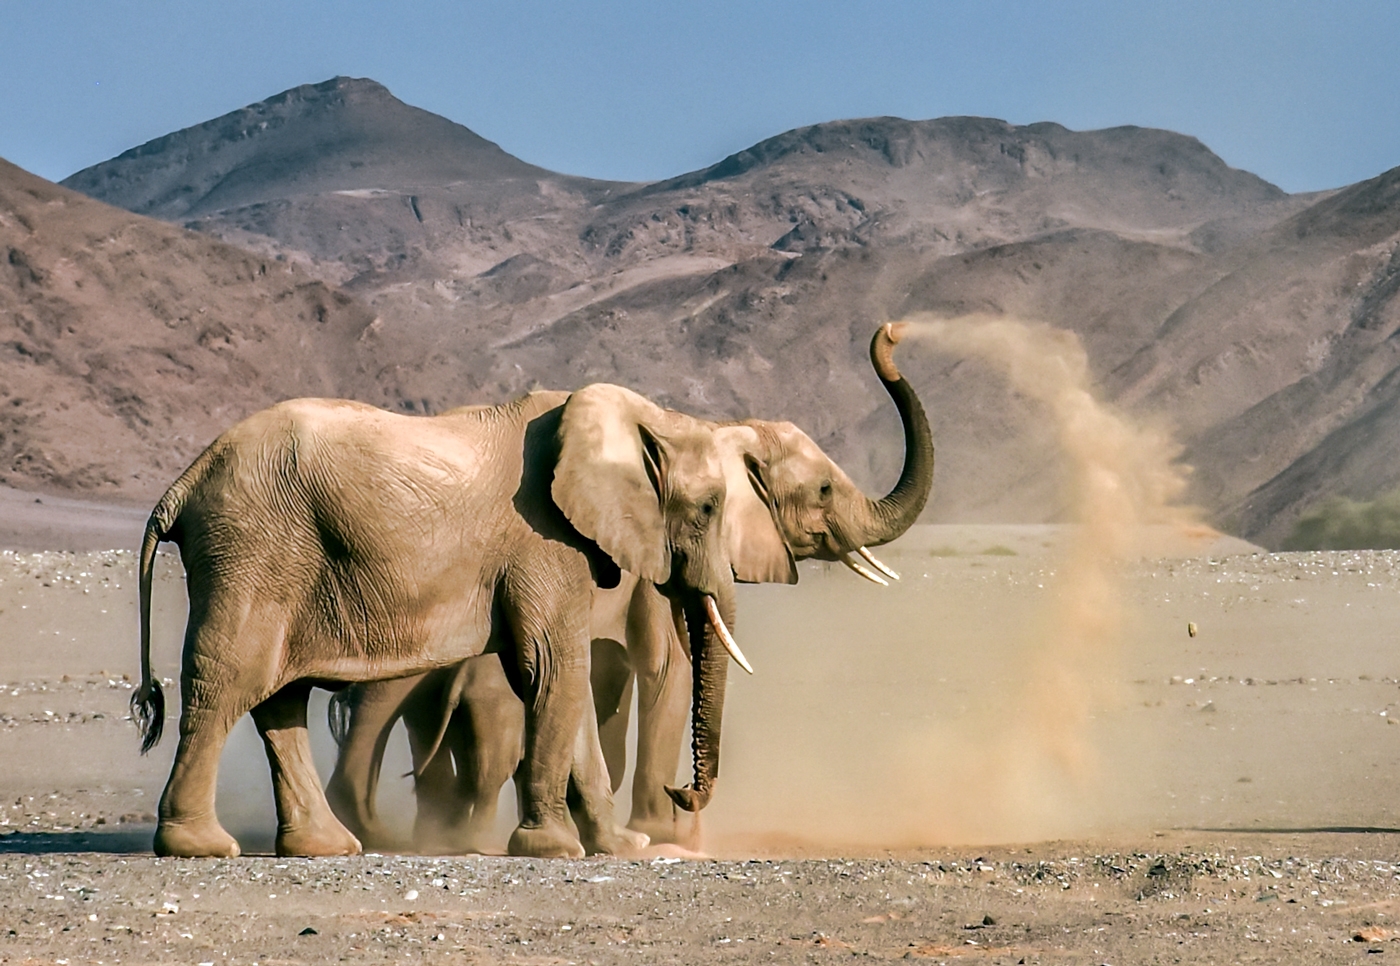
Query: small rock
(308, 931)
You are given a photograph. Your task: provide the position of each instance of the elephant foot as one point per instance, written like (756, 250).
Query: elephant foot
(330, 838)
(443, 840)
(362, 823)
(469, 846)
(681, 829)
(199, 839)
(553, 841)
(376, 837)
(616, 841)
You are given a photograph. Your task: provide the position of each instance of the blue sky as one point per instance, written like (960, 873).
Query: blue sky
(1305, 94)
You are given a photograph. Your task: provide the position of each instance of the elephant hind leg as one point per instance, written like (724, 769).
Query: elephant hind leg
(489, 747)
(375, 707)
(188, 824)
(305, 824)
(612, 678)
(229, 662)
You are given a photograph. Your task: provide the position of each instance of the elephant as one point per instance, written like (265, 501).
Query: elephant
(457, 808)
(327, 542)
(775, 474)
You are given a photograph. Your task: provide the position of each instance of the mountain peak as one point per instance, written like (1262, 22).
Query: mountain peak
(346, 133)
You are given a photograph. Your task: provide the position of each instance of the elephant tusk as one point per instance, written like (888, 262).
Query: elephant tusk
(717, 622)
(870, 559)
(865, 572)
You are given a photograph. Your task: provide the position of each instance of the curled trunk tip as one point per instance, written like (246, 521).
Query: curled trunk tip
(893, 514)
(882, 349)
(688, 798)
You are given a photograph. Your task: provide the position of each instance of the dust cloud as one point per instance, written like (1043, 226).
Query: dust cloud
(963, 706)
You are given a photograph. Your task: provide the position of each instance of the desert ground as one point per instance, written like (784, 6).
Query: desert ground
(933, 770)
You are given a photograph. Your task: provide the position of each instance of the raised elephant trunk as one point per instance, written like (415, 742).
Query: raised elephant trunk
(893, 514)
(706, 623)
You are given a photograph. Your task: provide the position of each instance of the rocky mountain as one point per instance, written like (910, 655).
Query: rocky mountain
(1256, 321)
(127, 344)
(337, 137)
(1287, 369)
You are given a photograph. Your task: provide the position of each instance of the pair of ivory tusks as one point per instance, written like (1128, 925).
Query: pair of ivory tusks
(717, 622)
(866, 572)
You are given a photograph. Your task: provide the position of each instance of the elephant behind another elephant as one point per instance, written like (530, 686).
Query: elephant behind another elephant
(457, 790)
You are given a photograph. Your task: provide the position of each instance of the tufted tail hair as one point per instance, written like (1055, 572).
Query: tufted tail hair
(338, 716)
(148, 700)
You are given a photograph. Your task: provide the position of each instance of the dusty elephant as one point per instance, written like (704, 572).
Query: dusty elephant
(458, 787)
(820, 514)
(485, 741)
(327, 542)
(775, 473)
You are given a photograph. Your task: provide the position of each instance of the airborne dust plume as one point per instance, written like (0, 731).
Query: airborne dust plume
(983, 728)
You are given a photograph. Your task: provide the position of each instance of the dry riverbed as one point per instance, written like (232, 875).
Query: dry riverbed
(1232, 796)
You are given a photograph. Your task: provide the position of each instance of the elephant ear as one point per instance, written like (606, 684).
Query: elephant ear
(753, 536)
(610, 473)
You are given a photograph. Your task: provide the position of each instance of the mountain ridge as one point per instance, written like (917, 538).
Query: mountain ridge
(1203, 294)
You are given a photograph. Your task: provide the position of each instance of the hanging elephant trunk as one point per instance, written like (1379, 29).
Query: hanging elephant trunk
(706, 620)
(889, 517)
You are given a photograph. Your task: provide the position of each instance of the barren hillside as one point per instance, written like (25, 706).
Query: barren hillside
(1204, 294)
(127, 344)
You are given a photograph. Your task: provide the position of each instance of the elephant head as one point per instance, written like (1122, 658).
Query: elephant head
(783, 500)
(787, 501)
(648, 486)
(819, 512)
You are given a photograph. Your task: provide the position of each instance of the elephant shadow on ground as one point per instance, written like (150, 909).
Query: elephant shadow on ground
(125, 839)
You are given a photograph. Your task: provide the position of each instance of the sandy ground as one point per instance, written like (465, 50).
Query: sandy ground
(905, 776)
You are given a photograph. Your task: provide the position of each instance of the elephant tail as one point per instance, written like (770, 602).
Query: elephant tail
(451, 697)
(148, 700)
(338, 716)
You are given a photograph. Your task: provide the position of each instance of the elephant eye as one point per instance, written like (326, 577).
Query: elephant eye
(707, 508)
(826, 490)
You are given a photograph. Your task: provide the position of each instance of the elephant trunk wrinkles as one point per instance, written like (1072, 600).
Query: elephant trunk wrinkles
(893, 514)
(710, 670)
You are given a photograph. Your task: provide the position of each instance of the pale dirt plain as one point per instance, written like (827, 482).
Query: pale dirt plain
(905, 776)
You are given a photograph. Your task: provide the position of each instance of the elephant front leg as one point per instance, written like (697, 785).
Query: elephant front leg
(590, 798)
(663, 706)
(488, 748)
(611, 678)
(305, 824)
(434, 791)
(553, 660)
